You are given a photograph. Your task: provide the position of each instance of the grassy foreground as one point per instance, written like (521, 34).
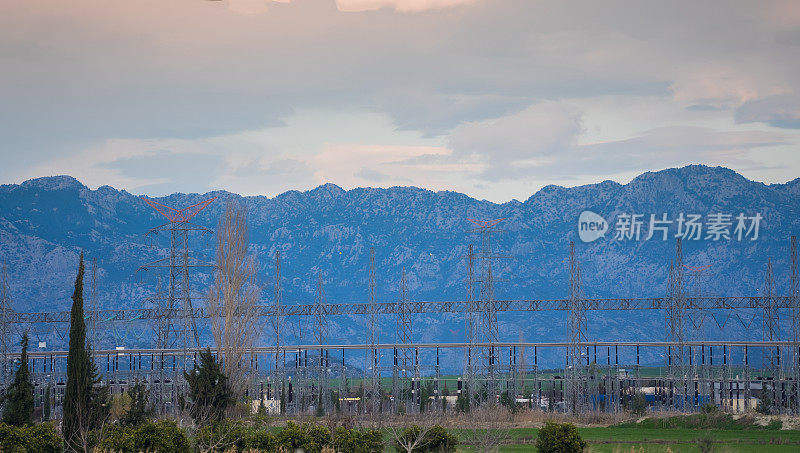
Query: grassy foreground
(693, 433)
(624, 439)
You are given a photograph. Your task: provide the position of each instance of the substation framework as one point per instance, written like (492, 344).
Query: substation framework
(318, 378)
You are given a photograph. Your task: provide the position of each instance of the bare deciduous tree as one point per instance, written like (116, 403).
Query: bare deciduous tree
(412, 437)
(232, 302)
(489, 429)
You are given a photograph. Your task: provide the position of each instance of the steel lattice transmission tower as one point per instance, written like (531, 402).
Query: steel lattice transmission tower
(403, 385)
(794, 293)
(577, 378)
(373, 389)
(486, 325)
(675, 318)
(94, 307)
(321, 328)
(5, 326)
(277, 321)
(179, 264)
(470, 322)
(770, 320)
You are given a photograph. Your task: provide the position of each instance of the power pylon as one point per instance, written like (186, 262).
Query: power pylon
(487, 327)
(675, 318)
(373, 390)
(179, 263)
(577, 378)
(402, 391)
(794, 293)
(470, 331)
(5, 327)
(771, 332)
(321, 328)
(94, 307)
(277, 325)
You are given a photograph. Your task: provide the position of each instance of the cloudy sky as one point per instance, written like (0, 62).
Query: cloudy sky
(494, 98)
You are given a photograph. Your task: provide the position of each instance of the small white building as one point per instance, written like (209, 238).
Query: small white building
(273, 407)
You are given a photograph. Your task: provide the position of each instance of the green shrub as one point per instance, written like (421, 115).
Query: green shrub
(310, 438)
(356, 441)
(764, 406)
(708, 409)
(40, 438)
(559, 438)
(320, 437)
(704, 420)
(774, 425)
(262, 441)
(462, 403)
(436, 439)
(439, 440)
(139, 409)
(163, 436)
(638, 404)
(705, 444)
(222, 436)
(115, 438)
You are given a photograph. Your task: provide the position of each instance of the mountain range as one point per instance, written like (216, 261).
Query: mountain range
(46, 222)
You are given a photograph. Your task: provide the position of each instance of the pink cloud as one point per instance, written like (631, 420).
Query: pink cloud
(404, 6)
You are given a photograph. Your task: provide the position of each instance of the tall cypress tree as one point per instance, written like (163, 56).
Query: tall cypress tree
(78, 392)
(18, 408)
(209, 391)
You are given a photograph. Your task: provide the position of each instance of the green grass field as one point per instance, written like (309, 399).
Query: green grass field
(622, 439)
(680, 433)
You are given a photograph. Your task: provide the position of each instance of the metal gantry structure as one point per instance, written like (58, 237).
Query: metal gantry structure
(596, 375)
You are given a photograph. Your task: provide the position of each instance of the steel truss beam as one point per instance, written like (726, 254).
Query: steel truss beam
(306, 347)
(389, 308)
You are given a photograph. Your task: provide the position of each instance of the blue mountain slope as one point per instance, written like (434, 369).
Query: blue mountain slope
(45, 222)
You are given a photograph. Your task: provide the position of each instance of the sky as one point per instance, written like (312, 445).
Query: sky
(492, 98)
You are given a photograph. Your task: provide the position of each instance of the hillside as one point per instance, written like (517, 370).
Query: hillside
(45, 222)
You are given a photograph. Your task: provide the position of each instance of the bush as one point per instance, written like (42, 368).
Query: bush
(163, 436)
(238, 437)
(708, 409)
(355, 441)
(138, 409)
(559, 438)
(262, 441)
(40, 438)
(310, 438)
(436, 439)
(638, 404)
(764, 406)
(222, 436)
(114, 438)
(439, 440)
(510, 402)
(705, 444)
(704, 420)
